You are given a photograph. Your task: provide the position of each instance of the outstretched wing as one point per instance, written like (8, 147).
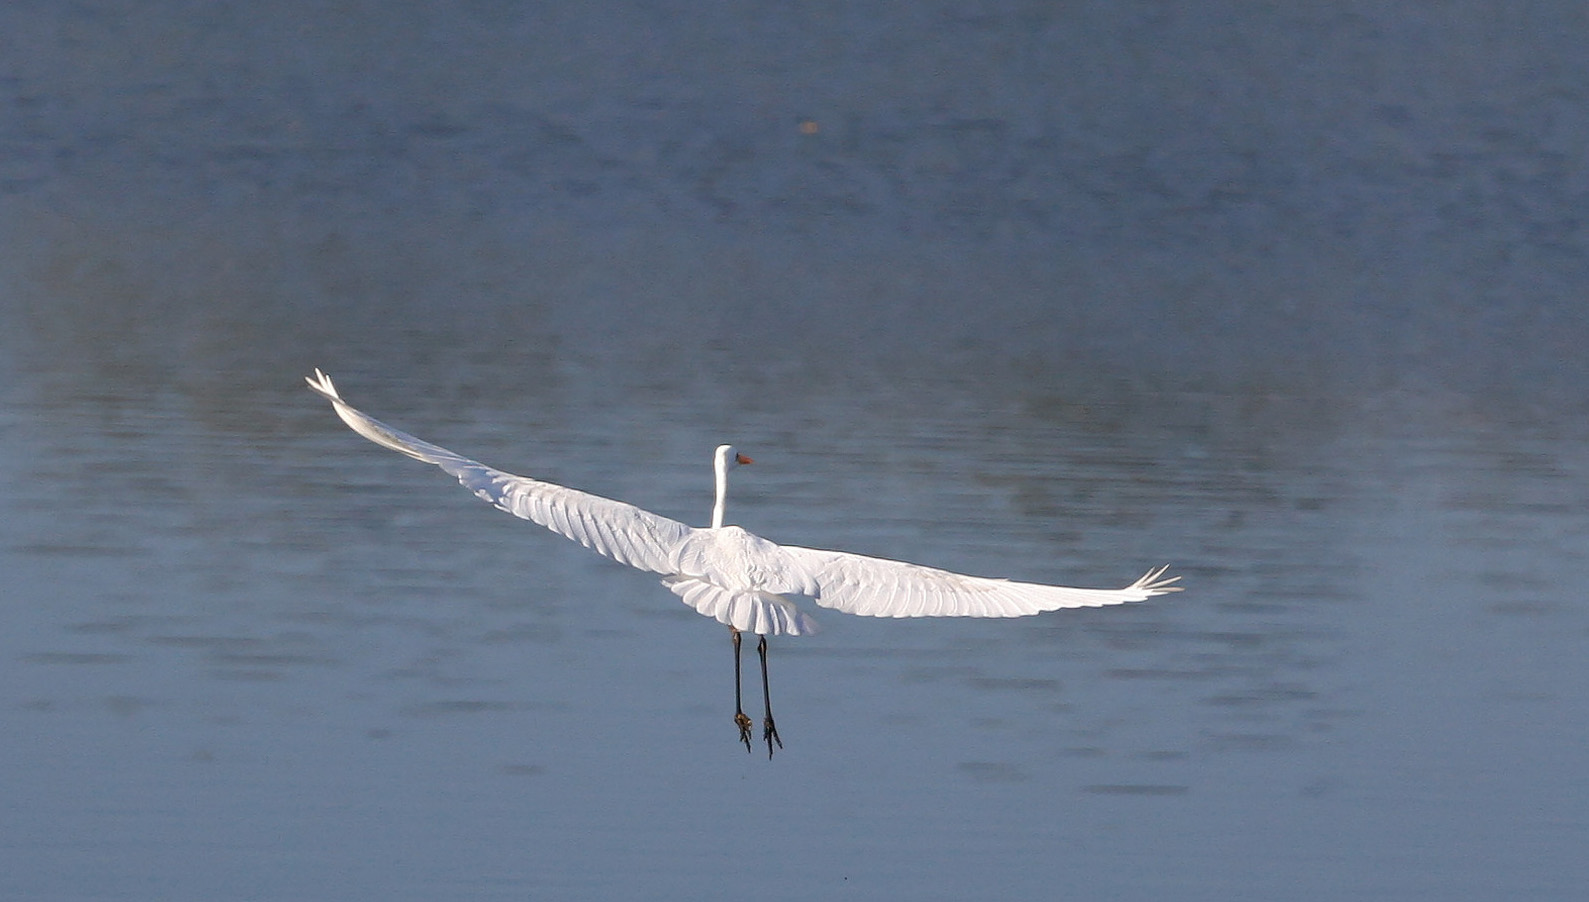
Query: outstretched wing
(620, 531)
(877, 587)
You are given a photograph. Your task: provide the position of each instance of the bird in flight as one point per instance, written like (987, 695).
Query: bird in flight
(736, 577)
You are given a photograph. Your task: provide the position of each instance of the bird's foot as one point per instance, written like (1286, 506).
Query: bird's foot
(743, 723)
(769, 733)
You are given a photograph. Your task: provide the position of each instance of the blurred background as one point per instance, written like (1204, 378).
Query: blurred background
(1287, 297)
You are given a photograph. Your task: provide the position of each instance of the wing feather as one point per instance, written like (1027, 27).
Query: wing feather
(620, 531)
(877, 587)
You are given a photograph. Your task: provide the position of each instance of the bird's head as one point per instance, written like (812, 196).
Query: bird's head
(728, 457)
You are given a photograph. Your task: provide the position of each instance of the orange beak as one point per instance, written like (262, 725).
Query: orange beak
(742, 459)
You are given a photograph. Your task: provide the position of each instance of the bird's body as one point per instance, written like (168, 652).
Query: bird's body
(733, 576)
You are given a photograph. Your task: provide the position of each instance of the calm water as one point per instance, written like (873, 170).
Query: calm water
(1125, 290)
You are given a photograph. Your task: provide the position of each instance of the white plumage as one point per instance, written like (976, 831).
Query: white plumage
(733, 576)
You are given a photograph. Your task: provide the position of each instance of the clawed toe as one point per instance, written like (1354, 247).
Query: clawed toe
(769, 733)
(743, 723)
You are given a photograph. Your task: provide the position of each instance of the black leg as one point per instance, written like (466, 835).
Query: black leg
(740, 720)
(769, 730)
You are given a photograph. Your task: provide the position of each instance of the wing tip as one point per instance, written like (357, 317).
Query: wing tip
(1154, 582)
(322, 385)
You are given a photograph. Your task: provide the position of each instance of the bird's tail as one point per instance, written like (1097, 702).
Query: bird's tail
(749, 611)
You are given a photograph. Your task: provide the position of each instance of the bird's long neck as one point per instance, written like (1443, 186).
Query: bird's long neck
(722, 492)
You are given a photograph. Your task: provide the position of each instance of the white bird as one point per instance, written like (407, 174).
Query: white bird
(737, 577)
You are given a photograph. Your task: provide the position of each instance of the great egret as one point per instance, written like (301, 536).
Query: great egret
(734, 576)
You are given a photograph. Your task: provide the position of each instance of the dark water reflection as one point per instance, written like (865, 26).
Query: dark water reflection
(247, 654)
